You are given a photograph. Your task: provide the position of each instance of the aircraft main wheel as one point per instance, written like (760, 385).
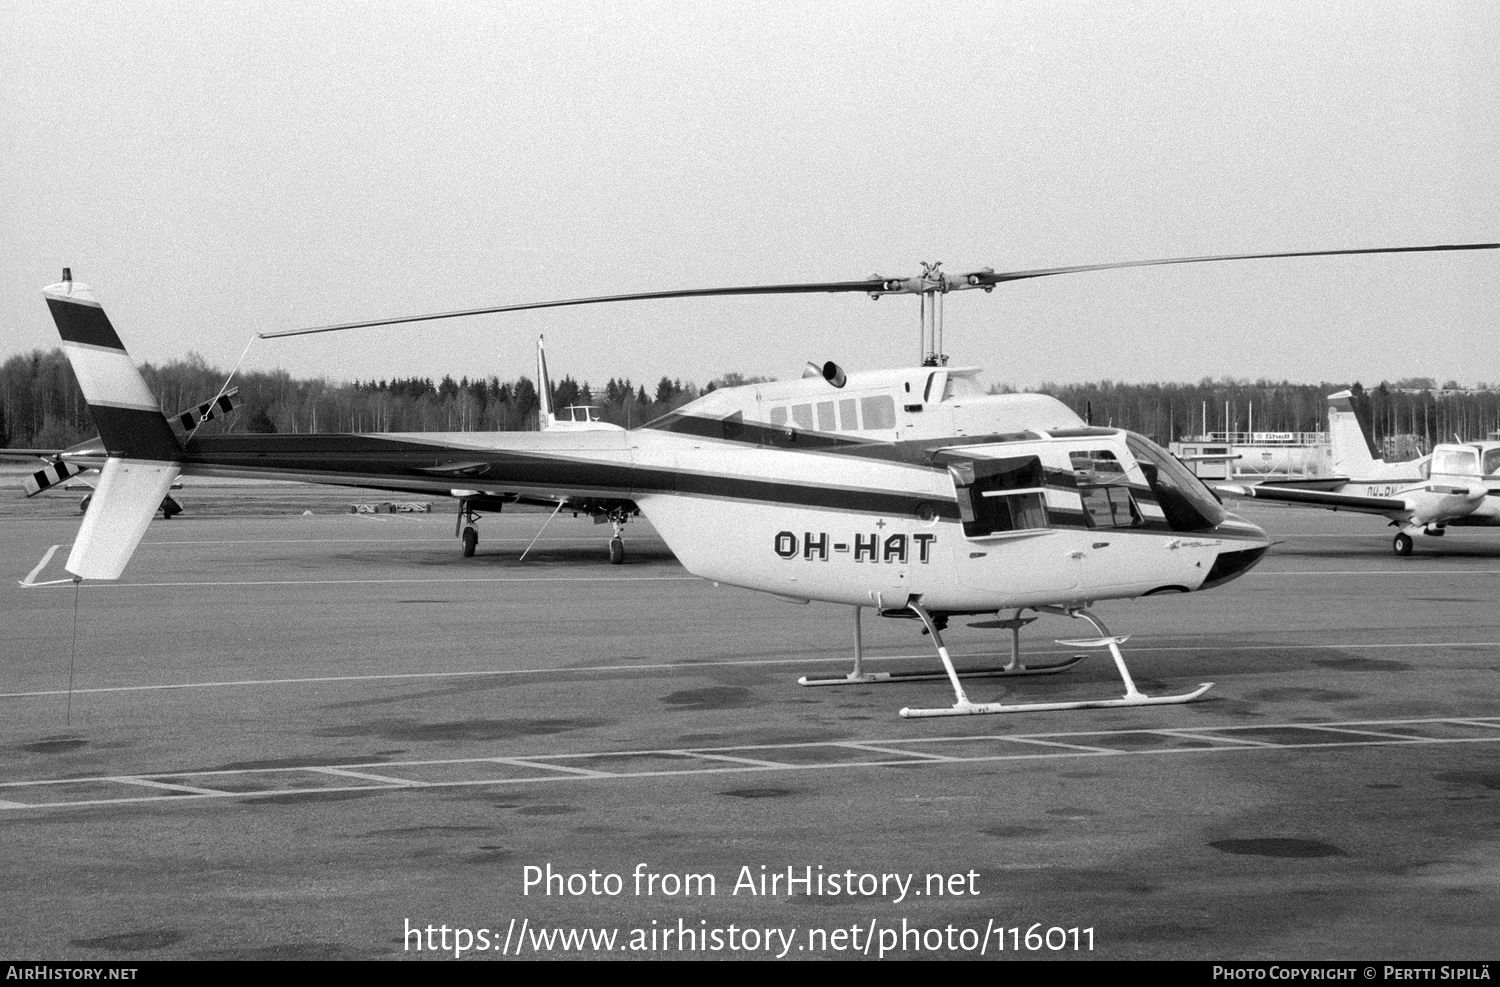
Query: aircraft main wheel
(83, 505)
(1402, 544)
(616, 551)
(471, 541)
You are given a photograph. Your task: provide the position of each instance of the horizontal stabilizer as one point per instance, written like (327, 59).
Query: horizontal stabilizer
(209, 410)
(128, 495)
(50, 475)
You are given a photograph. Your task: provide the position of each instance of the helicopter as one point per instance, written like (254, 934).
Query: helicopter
(911, 492)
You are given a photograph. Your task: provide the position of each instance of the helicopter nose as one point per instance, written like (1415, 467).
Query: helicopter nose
(1245, 544)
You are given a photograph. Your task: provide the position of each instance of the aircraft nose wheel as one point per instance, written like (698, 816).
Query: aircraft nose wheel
(616, 551)
(1402, 544)
(471, 542)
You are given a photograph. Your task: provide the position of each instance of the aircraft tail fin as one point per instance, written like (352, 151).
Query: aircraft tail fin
(144, 456)
(545, 418)
(1351, 440)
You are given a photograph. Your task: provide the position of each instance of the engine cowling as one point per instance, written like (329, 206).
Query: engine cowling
(1440, 502)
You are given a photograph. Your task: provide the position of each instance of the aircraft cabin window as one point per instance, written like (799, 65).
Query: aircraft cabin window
(999, 495)
(826, 422)
(778, 416)
(960, 387)
(1464, 462)
(1492, 462)
(1104, 489)
(802, 416)
(848, 415)
(878, 411)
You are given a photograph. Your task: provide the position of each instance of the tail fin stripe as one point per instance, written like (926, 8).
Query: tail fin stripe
(108, 377)
(134, 433)
(83, 321)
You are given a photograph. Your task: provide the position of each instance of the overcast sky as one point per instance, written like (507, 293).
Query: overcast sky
(215, 169)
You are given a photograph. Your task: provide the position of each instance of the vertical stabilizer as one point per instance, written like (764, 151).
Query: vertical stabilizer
(1350, 438)
(545, 419)
(144, 456)
(127, 496)
(127, 415)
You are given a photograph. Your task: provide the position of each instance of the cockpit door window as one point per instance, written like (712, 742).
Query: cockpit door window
(996, 496)
(1104, 489)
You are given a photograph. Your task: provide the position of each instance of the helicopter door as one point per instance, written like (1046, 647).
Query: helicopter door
(1109, 510)
(1009, 544)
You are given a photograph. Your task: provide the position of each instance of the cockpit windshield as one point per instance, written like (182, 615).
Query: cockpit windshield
(1455, 462)
(1187, 503)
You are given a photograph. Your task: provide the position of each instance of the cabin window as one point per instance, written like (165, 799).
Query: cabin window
(878, 411)
(1492, 462)
(826, 417)
(778, 416)
(849, 415)
(960, 387)
(1463, 462)
(1107, 501)
(999, 495)
(802, 416)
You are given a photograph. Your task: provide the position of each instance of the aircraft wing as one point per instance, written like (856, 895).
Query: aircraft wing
(1329, 499)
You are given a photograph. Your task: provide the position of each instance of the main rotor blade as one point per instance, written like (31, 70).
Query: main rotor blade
(872, 284)
(986, 277)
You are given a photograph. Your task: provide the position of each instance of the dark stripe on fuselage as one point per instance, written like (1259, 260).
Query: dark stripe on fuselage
(393, 463)
(79, 322)
(370, 458)
(135, 433)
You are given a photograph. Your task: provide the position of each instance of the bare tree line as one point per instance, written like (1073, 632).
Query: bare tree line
(41, 406)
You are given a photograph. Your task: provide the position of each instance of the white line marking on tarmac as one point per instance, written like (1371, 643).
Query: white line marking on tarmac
(347, 541)
(207, 584)
(741, 764)
(1372, 733)
(567, 769)
(31, 576)
(1421, 573)
(734, 760)
(876, 749)
(1237, 741)
(1072, 747)
(402, 582)
(148, 783)
(365, 776)
(689, 665)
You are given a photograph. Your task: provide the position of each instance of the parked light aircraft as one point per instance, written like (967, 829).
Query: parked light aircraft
(908, 491)
(1458, 484)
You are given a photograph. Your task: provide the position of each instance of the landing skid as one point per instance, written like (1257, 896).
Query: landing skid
(858, 676)
(1133, 697)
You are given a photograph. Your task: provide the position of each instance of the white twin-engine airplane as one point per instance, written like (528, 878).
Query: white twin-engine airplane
(1458, 484)
(912, 491)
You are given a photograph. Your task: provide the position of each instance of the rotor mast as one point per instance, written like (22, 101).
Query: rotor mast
(931, 285)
